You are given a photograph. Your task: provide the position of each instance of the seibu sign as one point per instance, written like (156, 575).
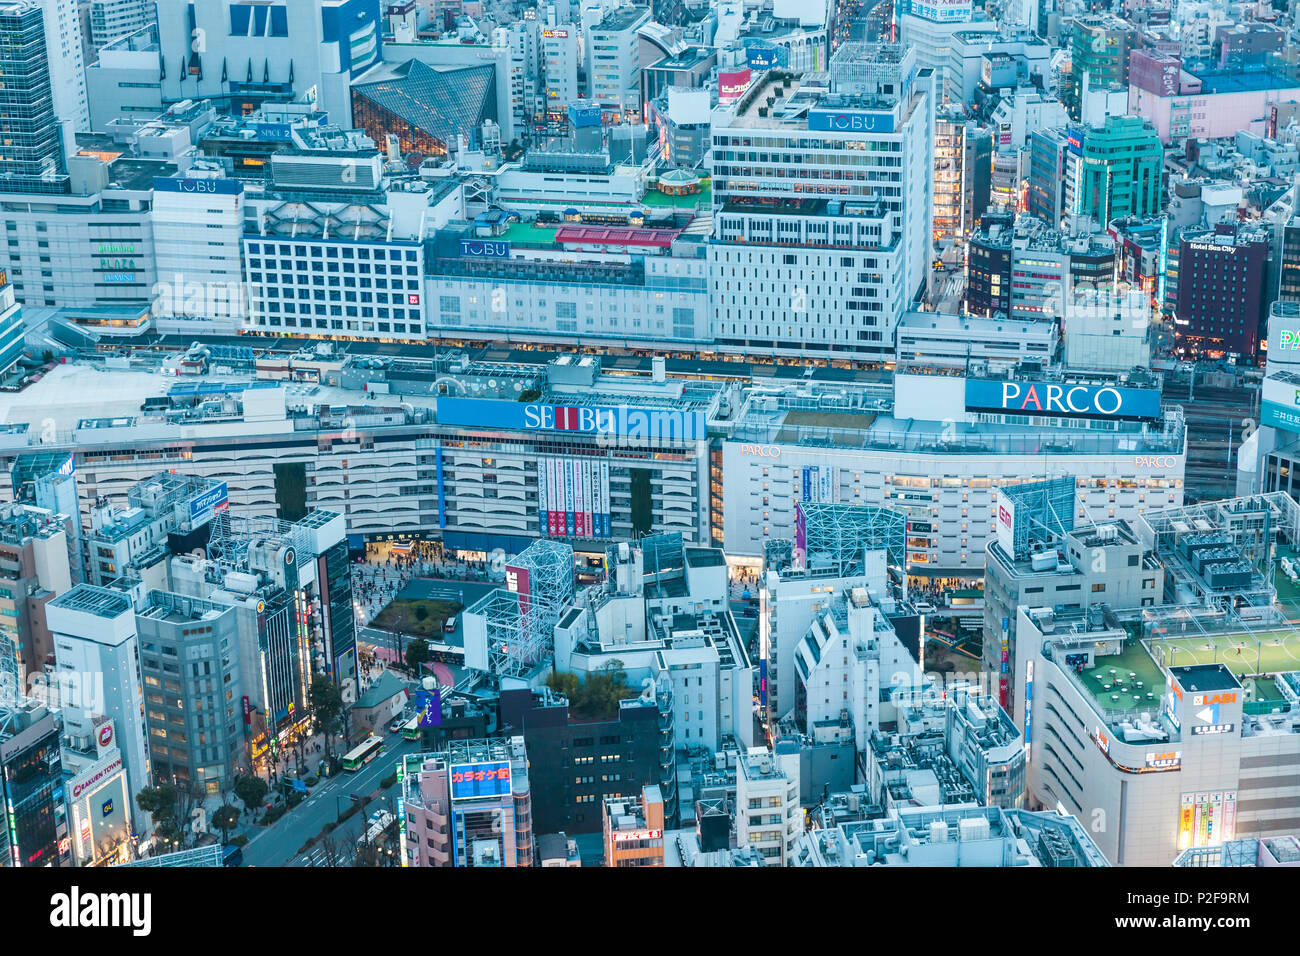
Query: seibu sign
(1062, 399)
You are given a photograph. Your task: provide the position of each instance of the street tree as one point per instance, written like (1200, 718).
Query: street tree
(417, 653)
(327, 709)
(226, 819)
(252, 790)
(158, 802)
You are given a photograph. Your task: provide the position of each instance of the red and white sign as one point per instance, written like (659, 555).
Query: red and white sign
(85, 786)
(621, 836)
(732, 85)
(105, 735)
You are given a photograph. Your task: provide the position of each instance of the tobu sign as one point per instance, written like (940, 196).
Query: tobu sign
(484, 249)
(850, 121)
(222, 187)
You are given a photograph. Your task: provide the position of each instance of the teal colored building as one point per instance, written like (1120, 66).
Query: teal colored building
(1115, 171)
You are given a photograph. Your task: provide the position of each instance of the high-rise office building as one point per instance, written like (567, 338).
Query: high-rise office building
(822, 216)
(1099, 54)
(34, 158)
(196, 730)
(97, 651)
(1115, 171)
(963, 155)
(12, 328)
(1288, 289)
(614, 63)
(110, 19)
(35, 831)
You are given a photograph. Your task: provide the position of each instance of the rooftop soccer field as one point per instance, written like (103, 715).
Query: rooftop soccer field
(1265, 652)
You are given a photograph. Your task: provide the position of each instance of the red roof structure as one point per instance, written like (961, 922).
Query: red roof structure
(610, 236)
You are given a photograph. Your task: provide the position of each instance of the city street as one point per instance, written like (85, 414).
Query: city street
(278, 844)
(434, 589)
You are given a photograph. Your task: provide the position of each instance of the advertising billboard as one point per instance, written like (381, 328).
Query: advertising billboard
(1062, 399)
(762, 55)
(517, 583)
(1207, 819)
(473, 781)
(428, 704)
(208, 505)
(625, 421)
(1279, 405)
(732, 85)
(1006, 523)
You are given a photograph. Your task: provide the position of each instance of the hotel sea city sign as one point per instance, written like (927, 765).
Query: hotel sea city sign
(622, 420)
(851, 121)
(1062, 399)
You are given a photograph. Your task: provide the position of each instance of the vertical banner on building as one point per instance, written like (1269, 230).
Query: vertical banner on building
(570, 519)
(607, 509)
(587, 507)
(1185, 822)
(579, 527)
(807, 484)
(800, 537)
(555, 491)
(442, 488)
(543, 518)
(518, 582)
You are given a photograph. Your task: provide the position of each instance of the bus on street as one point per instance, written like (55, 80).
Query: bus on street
(362, 755)
(411, 731)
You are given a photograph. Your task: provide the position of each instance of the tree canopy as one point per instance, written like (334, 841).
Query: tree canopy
(598, 695)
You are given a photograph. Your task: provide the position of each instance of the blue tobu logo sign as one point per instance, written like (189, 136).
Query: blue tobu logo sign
(851, 121)
(484, 249)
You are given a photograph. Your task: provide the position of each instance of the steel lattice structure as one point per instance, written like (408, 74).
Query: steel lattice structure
(836, 535)
(520, 623)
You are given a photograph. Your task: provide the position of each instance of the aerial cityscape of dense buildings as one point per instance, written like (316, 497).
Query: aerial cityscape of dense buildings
(698, 433)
